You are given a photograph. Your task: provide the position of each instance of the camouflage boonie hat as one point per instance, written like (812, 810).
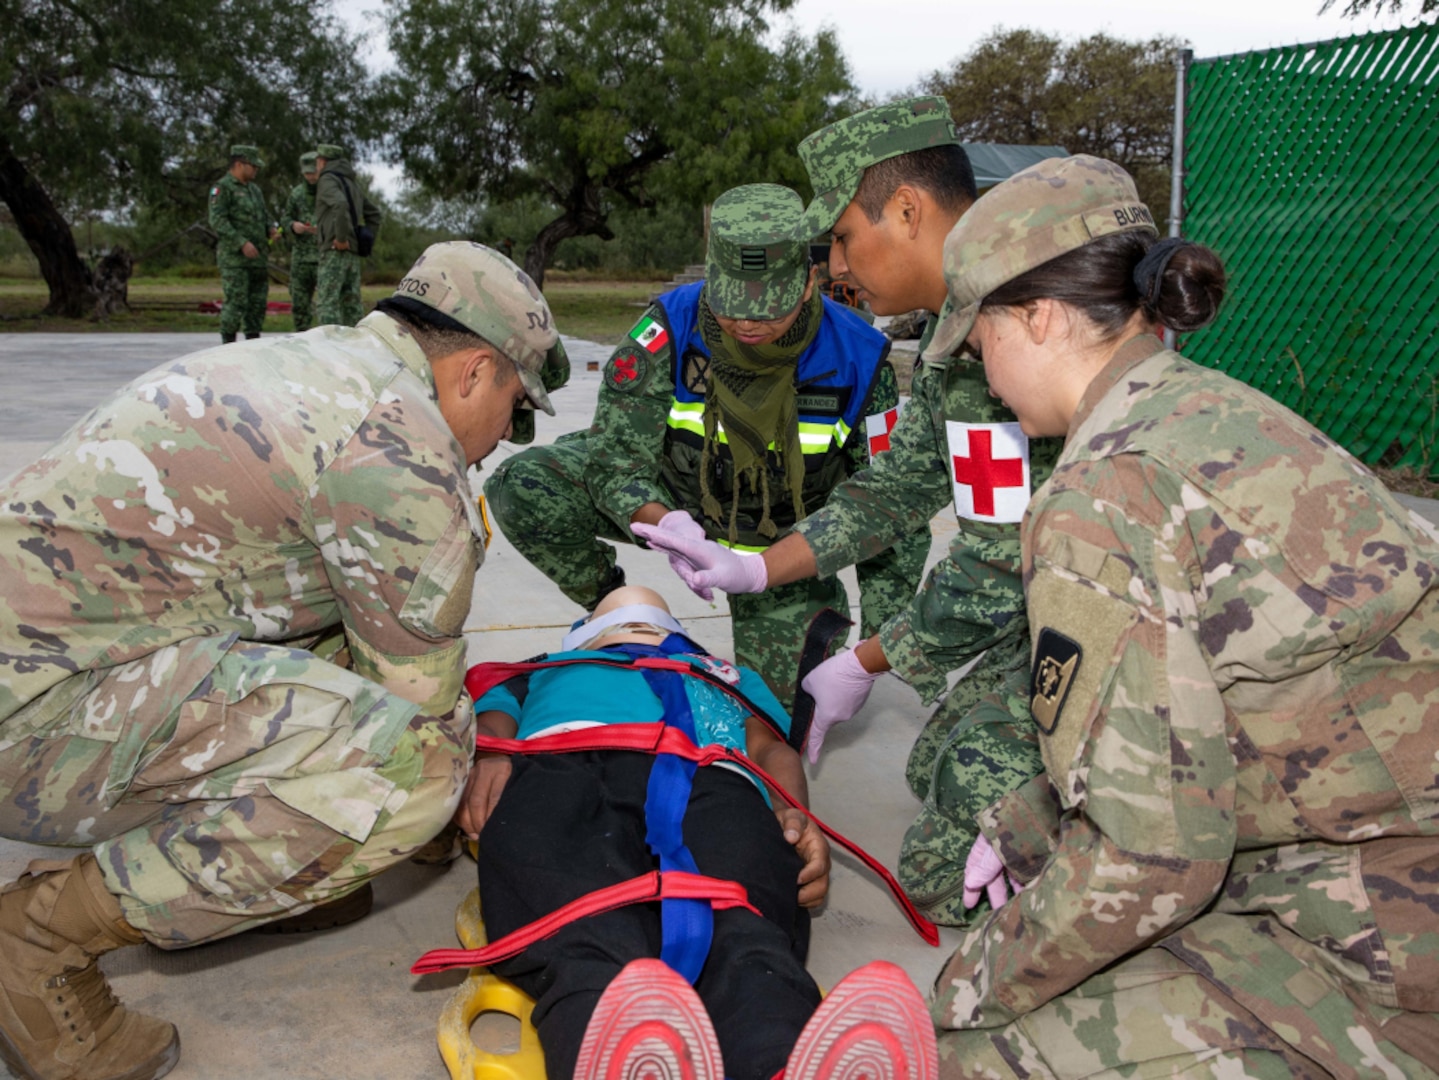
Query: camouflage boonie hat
(307, 161)
(756, 266)
(245, 152)
(484, 292)
(1036, 215)
(329, 151)
(836, 156)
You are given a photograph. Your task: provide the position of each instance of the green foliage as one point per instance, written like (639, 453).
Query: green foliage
(589, 105)
(1097, 95)
(1355, 8)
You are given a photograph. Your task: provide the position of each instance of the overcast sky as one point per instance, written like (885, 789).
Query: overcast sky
(890, 46)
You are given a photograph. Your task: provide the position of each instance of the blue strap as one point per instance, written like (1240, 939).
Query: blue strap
(686, 926)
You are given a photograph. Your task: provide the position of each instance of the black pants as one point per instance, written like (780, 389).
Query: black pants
(568, 824)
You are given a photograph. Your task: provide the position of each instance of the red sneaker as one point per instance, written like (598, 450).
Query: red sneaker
(650, 1025)
(872, 1026)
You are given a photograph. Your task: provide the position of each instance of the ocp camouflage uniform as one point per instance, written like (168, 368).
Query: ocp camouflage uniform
(339, 202)
(1236, 684)
(179, 568)
(556, 503)
(238, 215)
(304, 254)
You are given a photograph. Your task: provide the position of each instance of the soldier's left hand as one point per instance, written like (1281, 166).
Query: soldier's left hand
(983, 872)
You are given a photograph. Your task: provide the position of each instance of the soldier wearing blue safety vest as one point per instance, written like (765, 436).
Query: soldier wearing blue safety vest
(731, 411)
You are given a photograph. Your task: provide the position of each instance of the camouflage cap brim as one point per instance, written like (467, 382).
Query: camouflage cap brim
(951, 329)
(826, 207)
(534, 390)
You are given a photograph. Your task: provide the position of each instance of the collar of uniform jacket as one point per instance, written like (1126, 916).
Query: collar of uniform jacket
(405, 346)
(1132, 353)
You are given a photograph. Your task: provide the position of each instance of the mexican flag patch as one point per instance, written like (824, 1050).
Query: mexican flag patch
(650, 335)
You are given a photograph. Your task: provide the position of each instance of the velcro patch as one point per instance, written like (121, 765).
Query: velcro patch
(626, 370)
(1056, 663)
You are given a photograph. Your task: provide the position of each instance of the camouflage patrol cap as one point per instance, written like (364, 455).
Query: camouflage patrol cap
(486, 293)
(245, 152)
(756, 265)
(836, 156)
(1036, 215)
(329, 151)
(307, 161)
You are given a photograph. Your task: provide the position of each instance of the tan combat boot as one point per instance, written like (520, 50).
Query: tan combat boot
(58, 1017)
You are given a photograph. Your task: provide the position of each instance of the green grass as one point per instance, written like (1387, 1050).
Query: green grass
(600, 311)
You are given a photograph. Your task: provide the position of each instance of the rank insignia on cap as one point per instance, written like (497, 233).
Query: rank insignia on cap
(627, 370)
(1056, 660)
(754, 260)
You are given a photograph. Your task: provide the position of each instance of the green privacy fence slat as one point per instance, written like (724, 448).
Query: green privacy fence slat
(1314, 171)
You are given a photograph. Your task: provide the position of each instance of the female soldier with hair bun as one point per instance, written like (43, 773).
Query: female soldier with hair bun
(1235, 684)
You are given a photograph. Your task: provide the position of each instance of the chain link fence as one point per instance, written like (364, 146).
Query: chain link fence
(1314, 171)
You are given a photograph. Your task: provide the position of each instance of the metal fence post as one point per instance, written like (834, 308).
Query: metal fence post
(1182, 59)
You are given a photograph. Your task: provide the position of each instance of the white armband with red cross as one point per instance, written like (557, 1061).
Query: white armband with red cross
(877, 428)
(989, 466)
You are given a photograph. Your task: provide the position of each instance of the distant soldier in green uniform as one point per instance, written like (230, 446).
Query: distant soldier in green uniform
(340, 209)
(731, 411)
(1234, 682)
(298, 221)
(244, 229)
(890, 183)
(232, 648)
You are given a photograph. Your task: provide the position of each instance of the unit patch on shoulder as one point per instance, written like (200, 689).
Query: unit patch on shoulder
(1056, 662)
(626, 370)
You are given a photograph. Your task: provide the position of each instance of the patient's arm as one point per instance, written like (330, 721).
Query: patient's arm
(778, 759)
(488, 775)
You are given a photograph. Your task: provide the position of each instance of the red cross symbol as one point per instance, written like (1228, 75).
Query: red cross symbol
(625, 369)
(879, 442)
(983, 473)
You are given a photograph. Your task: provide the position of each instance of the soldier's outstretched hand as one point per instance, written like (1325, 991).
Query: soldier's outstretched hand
(704, 565)
(840, 686)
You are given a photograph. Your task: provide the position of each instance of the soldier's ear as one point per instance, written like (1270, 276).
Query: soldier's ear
(908, 207)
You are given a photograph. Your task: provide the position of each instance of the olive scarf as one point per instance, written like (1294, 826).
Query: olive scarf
(751, 394)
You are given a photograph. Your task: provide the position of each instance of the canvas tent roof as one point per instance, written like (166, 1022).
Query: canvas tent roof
(993, 162)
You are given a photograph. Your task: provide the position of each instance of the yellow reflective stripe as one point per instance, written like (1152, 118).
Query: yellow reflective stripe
(813, 438)
(745, 548)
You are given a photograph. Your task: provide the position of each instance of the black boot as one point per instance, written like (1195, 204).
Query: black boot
(226, 339)
(250, 337)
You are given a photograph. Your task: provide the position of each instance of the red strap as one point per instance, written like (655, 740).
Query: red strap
(673, 885)
(660, 738)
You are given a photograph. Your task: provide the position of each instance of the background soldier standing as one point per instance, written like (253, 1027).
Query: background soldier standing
(339, 204)
(299, 223)
(240, 218)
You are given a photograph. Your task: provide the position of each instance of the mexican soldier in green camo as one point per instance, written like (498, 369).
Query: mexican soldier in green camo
(232, 651)
(731, 411)
(1235, 681)
(298, 221)
(244, 230)
(889, 184)
(340, 206)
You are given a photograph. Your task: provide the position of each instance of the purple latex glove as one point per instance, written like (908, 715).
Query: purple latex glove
(680, 523)
(983, 872)
(840, 686)
(704, 565)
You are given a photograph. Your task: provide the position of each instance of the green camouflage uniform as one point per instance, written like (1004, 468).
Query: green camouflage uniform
(1231, 856)
(176, 568)
(979, 743)
(338, 277)
(304, 254)
(557, 503)
(238, 214)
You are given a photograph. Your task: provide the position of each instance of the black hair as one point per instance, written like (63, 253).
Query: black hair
(1105, 279)
(943, 171)
(437, 333)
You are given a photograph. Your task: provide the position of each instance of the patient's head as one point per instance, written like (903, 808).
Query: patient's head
(650, 625)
